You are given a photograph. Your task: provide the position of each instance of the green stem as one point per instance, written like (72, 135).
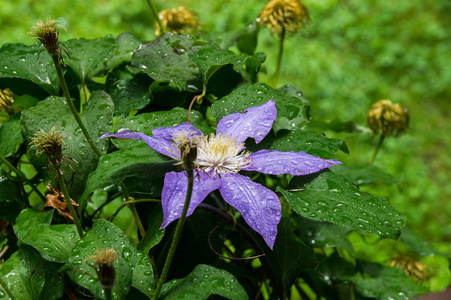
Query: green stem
(7, 290)
(132, 207)
(279, 58)
(378, 147)
(178, 232)
(69, 101)
(156, 16)
(69, 203)
(23, 178)
(125, 203)
(108, 293)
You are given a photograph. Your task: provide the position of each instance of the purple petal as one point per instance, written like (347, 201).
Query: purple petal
(158, 144)
(259, 206)
(174, 193)
(294, 163)
(170, 132)
(255, 122)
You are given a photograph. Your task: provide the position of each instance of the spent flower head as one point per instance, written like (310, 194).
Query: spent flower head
(6, 101)
(177, 20)
(387, 118)
(48, 34)
(103, 266)
(288, 15)
(416, 269)
(49, 143)
(219, 160)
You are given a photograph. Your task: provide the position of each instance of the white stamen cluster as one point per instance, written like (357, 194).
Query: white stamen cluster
(222, 154)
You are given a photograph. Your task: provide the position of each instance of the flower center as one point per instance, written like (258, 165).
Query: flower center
(222, 154)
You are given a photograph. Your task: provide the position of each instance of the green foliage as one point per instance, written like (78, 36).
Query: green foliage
(322, 246)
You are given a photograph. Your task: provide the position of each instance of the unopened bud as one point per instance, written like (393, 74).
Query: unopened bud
(103, 265)
(177, 20)
(387, 118)
(290, 15)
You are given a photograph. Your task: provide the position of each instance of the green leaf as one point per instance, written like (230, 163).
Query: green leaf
(290, 255)
(54, 242)
(143, 277)
(21, 61)
(130, 93)
(146, 122)
(105, 235)
(417, 244)
(126, 44)
(308, 141)
(166, 58)
(247, 39)
(292, 112)
(154, 233)
(10, 191)
(210, 58)
(363, 175)
(52, 112)
(385, 283)
(323, 234)
(202, 282)
(327, 196)
(10, 136)
(23, 274)
(53, 283)
(139, 161)
(89, 56)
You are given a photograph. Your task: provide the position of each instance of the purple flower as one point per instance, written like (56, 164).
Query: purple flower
(219, 159)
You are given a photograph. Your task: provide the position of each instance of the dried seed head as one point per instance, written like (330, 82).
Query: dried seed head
(290, 15)
(48, 34)
(49, 144)
(103, 265)
(387, 118)
(177, 20)
(413, 268)
(6, 101)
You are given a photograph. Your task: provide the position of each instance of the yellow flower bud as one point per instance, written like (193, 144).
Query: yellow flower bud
(177, 20)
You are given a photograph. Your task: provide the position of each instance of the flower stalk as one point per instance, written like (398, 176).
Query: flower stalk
(279, 57)
(63, 188)
(178, 232)
(156, 16)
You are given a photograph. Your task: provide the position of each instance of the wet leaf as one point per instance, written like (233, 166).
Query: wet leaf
(327, 196)
(363, 175)
(210, 58)
(143, 277)
(385, 283)
(308, 141)
(292, 112)
(54, 242)
(126, 44)
(290, 255)
(10, 136)
(96, 116)
(87, 55)
(105, 235)
(202, 282)
(139, 161)
(21, 61)
(23, 274)
(166, 58)
(323, 234)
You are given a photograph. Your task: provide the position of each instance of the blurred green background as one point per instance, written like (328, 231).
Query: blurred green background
(351, 55)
